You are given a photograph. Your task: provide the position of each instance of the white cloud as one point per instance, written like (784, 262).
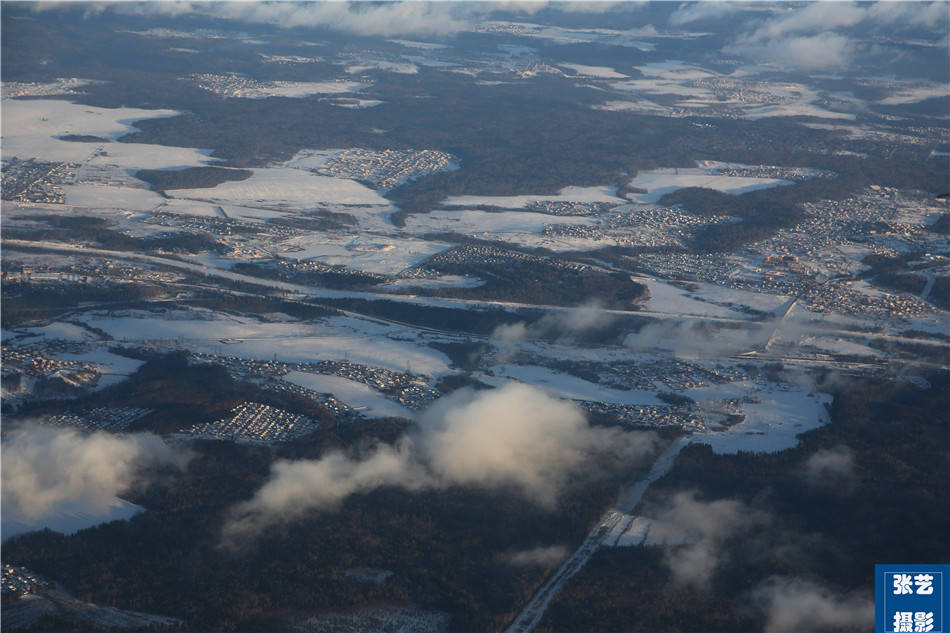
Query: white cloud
(689, 12)
(515, 437)
(546, 557)
(710, 523)
(792, 604)
(825, 50)
(831, 467)
(45, 467)
(697, 338)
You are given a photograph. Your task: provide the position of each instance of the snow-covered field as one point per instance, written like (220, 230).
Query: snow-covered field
(567, 194)
(336, 338)
(368, 401)
(284, 187)
(30, 129)
(600, 72)
(442, 281)
(771, 425)
(471, 222)
(360, 251)
(913, 94)
(566, 386)
(659, 182)
(68, 518)
(665, 297)
(795, 109)
(386, 66)
(109, 197)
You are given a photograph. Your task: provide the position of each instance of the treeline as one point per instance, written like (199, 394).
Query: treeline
(337, 279)
(456, 319)
(539, 283)
(26, 302)
(191, 177)
(100, 234)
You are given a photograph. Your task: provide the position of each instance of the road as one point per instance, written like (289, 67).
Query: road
(628, 499)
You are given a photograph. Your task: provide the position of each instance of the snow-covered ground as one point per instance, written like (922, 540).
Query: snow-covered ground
(600, 72)
(913, 94)
(106, 196)
(360, 251)
(659, 182)
(30, 129)
(336, 338)
(368, 401)
(386, 66)
(68, 518)
(567, 194)
(566, 386)
(471, 222)
(773, 424)
(665, 297)
(442, 281)
(284, 187)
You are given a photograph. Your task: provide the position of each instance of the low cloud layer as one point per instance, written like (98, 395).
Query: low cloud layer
(698, 338)
(711, 523)
(383, 19)
(561, 325)
(45, 467)
(792, 604)
(831, 468)
(820, 35)
(544, 557)
(514, 438)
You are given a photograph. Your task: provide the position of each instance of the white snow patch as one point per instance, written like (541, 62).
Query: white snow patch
(488, 222)
(915, 94)
(285, 187)
(371, 253)
(601, 72)
(357, 395)
(30, 128)
(393, 67)
(109, 197)
(771, 425)
(69, 518)
(567, 194)
(659, 182)
(563, 385)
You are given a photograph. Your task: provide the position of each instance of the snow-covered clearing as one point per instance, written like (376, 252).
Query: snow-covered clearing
(665, 297)
(488, 222)
(285, 187)
(443, 281)
(914, 94)
(69, 517)
(795, 109)
(643, 106)
(567, 194)
(336, 338)
(426, 46)
(109, 197)
(566, 386)
(600, 72)
(773, 424)
(359, 396)
(659, 182)
(393, 67)
(30, 129)
(361, 251)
